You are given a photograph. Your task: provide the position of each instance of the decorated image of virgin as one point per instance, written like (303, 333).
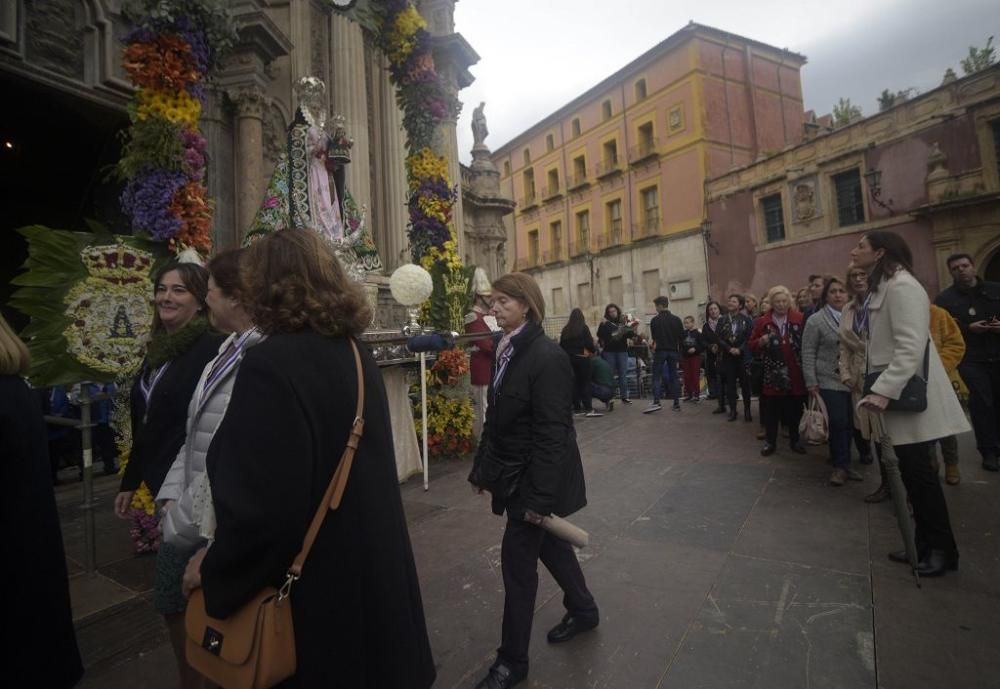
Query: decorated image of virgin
(307, 190)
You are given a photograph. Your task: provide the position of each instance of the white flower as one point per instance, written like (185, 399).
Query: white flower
(410, 284)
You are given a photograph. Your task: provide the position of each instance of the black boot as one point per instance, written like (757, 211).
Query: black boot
(732, 414)
(721, 409)
(746, 412)
(936, 563)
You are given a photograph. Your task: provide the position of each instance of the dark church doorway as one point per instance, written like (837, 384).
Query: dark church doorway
(991, 268)
(57, 157)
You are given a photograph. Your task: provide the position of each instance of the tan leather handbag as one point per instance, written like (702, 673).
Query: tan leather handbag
(255, 647)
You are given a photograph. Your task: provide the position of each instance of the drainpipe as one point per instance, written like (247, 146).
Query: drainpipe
(752, 92)
(566, 214)
(781, 102)
(628, 192)
(729, 117)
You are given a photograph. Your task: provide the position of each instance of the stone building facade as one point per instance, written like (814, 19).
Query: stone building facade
(610, 187)
(927, 169)
(60, 67)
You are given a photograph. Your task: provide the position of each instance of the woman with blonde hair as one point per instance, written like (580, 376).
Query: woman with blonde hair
(777, 335)
(38, 605)
(292, 410)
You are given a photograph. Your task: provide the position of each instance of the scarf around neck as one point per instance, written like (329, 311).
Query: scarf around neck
(166, 346)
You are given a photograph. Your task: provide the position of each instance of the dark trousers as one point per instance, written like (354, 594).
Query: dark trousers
(691, 365)
(983, 381)
(930, 511)
(618, 361)
(734, 370)
(841, 417)
(784, 408)
(581, 382)
(712, 375)
(601, 392)
(665, 370)
(523, 546)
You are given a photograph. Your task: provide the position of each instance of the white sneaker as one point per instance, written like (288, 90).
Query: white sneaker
(651, 408)
(592, 413)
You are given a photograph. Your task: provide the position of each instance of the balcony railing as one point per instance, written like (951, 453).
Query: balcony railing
(615, 233)
(649, 227)
(580, 246)
(642, 151)
(608, 167)
(551, 192)
(527, 201)
(577, 181)
(552, 255)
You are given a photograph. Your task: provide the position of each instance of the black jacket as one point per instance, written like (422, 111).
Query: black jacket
(38, 642)
(359, 620)
(980, 303)
(667, 331)
(575, 345)
(605, 335)
(730, 337)
(159, 429)
(528, 455)
(692, 338)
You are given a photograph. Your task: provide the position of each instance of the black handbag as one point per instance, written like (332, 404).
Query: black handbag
(913, 398)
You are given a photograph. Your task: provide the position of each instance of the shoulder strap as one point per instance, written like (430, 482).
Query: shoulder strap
(335, 491)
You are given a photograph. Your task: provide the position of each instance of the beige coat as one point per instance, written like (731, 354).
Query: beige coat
(899, 327)
(852, 367)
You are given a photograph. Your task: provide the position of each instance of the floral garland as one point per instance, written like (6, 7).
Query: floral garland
(426, 102)
(145, 523)
(170, 52)
(449, 411)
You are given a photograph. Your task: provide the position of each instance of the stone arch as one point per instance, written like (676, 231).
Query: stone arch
(987, 258)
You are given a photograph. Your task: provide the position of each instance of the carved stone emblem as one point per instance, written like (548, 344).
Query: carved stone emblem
(805, 200)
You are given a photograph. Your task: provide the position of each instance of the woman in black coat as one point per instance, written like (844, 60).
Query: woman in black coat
(528, 459)
(358, 616)
(578, 343)
(180, 347)
(36, 636)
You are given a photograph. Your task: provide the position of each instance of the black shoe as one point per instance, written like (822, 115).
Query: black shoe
(719, 410)
(936, 563)
(676, 407)
(570, 627)
(798, 449)
(767, 450)
(747, 416)
(990, 463)
(732, 415)
(501, 676)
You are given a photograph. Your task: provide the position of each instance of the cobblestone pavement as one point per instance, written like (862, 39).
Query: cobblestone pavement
(713, 567)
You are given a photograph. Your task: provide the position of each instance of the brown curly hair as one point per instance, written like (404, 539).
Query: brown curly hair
(292, 280)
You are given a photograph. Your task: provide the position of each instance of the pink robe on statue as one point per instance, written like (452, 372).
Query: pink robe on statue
(324, 208)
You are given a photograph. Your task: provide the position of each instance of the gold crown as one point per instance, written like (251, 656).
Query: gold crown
(117, 262)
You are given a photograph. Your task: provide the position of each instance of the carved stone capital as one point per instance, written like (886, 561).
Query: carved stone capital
(250, 101)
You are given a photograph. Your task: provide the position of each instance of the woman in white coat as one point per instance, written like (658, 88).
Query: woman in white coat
(188, 518)
(897, 317)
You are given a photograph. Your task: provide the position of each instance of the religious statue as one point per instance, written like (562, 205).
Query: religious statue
(479, 130)
(308, 191)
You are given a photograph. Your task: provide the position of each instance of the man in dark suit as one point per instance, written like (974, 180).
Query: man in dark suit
(667, 331)
(734, 330)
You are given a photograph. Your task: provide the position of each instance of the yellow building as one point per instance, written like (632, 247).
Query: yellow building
(610, 187)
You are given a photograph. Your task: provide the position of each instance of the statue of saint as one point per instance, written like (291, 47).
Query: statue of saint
(479, 130)
(308, 191)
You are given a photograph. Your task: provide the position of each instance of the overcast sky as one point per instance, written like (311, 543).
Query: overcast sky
(537, 55)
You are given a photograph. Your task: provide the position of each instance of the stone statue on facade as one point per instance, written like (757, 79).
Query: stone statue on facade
(307, 190)
(479, 130)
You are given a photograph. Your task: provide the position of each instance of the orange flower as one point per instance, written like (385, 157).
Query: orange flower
(164, 65)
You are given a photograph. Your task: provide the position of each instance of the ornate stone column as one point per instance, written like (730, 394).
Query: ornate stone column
(349, 97)
(250, 106)
(395, 212)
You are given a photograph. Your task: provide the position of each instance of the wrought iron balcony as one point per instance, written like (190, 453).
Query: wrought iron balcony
(577, 181)
(642, 151)
(608, 167)
(551, 192)
(527, 201)
(580, 246)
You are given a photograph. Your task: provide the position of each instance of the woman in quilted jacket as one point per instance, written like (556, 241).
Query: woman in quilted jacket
(820, 353)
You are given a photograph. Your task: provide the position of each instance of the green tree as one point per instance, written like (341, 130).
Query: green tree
(888, 99)
(979, 58)
(845, 112)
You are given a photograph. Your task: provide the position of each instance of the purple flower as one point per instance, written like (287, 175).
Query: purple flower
(147, 198)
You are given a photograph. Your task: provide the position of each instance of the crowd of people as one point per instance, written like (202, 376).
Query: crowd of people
(236, 433)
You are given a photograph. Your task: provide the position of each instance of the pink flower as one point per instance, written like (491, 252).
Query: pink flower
(271, 202)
